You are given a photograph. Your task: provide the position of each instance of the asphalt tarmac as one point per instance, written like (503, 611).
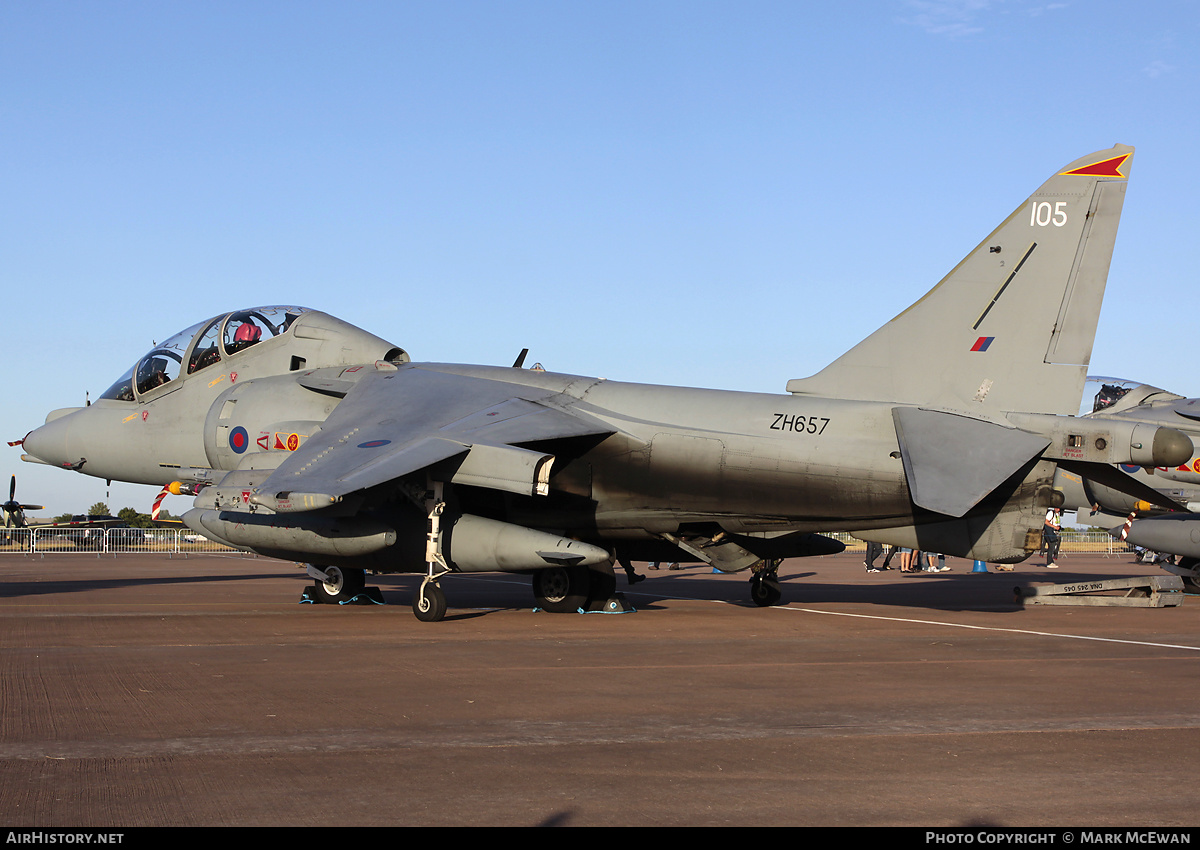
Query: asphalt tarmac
(149, 691)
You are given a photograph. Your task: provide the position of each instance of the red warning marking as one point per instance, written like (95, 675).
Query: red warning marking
(1104, 168)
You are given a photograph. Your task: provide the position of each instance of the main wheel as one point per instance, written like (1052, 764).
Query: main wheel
(429, 603)
(562, 590)
(343, 584)
(765, 591)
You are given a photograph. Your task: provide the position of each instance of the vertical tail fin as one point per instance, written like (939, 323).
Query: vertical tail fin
(1011, 327)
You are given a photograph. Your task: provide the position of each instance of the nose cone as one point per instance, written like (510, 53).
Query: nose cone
(51, 443)
(1171, 447)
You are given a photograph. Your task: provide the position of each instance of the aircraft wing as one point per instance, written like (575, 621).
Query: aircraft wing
(99, 522)
(392, 423)
(952, 462)
(1109, 476)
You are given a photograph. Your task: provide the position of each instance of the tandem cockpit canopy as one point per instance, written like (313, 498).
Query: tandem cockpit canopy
(1114, 395)
(201, 346)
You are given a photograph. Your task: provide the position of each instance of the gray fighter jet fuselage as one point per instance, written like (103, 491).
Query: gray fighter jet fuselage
(306, 438)
(1153, 508)
(1177, 486)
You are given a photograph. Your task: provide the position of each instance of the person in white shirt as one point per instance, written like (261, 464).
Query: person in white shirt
(1052, 536)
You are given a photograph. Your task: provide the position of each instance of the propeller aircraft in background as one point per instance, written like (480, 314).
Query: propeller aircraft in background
(14, 511)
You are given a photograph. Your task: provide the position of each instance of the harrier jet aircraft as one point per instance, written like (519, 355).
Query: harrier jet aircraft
(309, 439)
(1164, 500)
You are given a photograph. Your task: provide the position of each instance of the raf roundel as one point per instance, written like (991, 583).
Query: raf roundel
(373, 444)
(239, 439)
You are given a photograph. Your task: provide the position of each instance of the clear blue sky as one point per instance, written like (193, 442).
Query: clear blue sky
(724, 194)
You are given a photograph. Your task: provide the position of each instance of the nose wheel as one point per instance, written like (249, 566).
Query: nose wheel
(429, 602)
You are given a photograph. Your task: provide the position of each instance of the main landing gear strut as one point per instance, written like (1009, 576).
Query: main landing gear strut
(338, 585)
(567, 587)
(765, 588)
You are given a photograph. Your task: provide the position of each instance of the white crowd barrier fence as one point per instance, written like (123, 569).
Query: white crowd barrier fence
(116, 541)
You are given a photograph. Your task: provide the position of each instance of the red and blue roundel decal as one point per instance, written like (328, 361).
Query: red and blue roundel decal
(1128, 467)
(239, 439)
(373, 444)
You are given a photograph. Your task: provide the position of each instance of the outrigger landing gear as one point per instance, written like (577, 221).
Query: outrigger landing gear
(723, 554)
(765, 589)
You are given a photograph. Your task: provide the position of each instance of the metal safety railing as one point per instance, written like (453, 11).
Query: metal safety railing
(116, 541)
(1073, 542)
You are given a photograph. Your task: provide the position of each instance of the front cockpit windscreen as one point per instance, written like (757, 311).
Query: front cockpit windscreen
(122, 390)
(164, 363)
(201, 346)
(206, 351)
